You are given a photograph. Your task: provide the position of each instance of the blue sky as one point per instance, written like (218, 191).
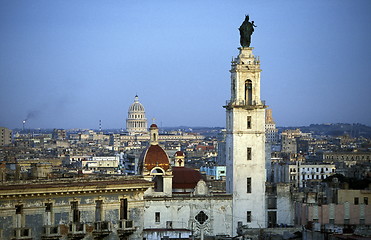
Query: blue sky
(69, 64)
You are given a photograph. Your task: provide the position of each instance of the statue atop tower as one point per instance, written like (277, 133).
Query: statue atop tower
(246, 30)
(245, 138)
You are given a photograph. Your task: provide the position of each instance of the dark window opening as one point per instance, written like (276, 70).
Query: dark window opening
(248, 216)
(18, 209)
(159, 181)
(48, 207)
(248, 185)
(248, 92)
(248, 157)
(157, 217)
(75, 212)
(98, 210)
(124, 208)
(201, 217)
(248, 122)
(272, 219)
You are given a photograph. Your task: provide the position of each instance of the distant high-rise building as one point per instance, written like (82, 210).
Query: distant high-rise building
(136, 123)
(59, 134)
(271, 132)
(5, 136)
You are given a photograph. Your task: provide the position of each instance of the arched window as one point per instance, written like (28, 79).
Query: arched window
(248, 92)
(158, 179)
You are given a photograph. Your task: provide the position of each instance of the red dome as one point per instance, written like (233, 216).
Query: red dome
(153, 125)
(154, 156)
(185, 177)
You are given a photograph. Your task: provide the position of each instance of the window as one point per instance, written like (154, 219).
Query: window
(48, 207)
(157, 217)
(75, 212)
(248, 216)
(201, 217)
(272, 203)
(356, 201)
(272, 219)
(248, 122)
(248, 92)
(48, 220)
(230, 154)
(123, 208)
(98, 210)
(248, 185)
(159, 182)
(248, 157)
(19, 209)
(365, 200)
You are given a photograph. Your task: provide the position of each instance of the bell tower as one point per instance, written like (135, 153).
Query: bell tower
(245, 142)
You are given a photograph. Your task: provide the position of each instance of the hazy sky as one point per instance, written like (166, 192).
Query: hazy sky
(69, 64)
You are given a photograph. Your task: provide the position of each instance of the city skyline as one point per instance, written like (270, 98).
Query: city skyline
(71, 64)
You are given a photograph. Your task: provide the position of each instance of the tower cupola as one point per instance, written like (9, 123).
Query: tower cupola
(154, 134)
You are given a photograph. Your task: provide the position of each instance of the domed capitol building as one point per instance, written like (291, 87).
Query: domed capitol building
(136, 123)
(137, 130)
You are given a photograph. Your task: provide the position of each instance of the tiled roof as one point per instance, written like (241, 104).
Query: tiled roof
(185, 177)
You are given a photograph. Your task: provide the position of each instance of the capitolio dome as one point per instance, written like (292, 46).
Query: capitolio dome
(136, 123)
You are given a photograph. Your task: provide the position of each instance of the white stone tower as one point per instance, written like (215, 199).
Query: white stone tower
(245, 142)
(136, 123)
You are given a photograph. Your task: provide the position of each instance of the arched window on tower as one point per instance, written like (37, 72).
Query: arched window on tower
(248, 92)
(158, 179)
(154, 137)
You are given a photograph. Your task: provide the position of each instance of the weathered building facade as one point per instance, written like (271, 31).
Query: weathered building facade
(74, 209)
(180, 203)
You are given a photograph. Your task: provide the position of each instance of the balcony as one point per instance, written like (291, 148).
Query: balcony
(242, 104)
(102, 229)
(22, 233)
(51, 232)
(76, 231)
(126, 228)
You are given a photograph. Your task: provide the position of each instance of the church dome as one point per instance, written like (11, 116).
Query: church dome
(154, 156)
